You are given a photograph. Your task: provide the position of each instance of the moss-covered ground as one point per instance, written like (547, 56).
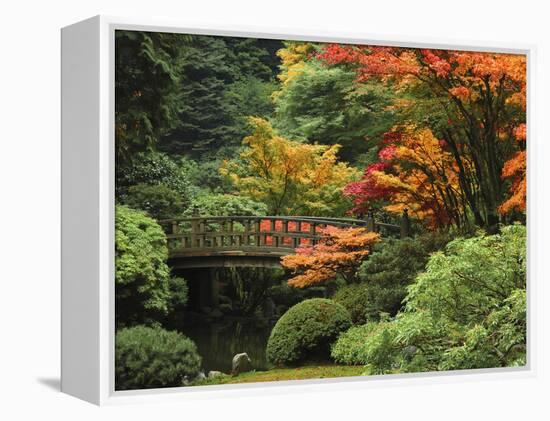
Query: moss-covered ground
(293, 373)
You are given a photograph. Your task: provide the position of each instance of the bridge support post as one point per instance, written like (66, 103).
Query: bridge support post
(214, 289)
(209, 293)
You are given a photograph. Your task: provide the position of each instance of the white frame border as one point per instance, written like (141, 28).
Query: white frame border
(107, 394)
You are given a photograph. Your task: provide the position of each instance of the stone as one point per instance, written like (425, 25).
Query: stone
(241, 363)
(200, 376)
(212, 374)
(409, 352)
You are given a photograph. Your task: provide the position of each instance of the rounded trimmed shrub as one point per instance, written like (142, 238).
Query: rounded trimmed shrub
(152, 357)
(307, 330)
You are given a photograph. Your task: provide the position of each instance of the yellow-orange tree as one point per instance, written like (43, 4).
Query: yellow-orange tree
(290, 177)
(339, 252)
(293, 57)
(474, 101)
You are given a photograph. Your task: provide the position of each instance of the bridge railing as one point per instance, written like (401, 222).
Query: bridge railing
(271, 233)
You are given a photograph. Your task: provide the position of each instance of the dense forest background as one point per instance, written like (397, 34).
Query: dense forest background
(440, 133)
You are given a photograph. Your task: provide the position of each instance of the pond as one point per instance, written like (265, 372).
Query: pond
(219, 340)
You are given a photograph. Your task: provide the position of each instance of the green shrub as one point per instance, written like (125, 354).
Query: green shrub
(350, 346)
(385, 275)
(179, 293)
(285, 294)
(226, 205)
(153, 168)
(147, 357)
(391, 346)
(357, 299)
(204, 174)
(397, 261)
(142, 278)
(159, 201)
(472, 277)
(307, 330)
(499, 341)
(467, 310)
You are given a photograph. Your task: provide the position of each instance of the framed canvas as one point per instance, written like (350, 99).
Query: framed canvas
(247, 209)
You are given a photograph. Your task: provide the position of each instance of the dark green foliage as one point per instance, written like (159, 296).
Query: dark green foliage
(285, 295)
(401, 258)
(385, 275)
(248, 97)
(204, 175)
(153, 168)
(142, 277)
(248, 286)
(147, 358)
(307, 330)
(159, 201)
(360, 300)
(324, 104)
(147, 88)
(254, 57)
(218, 74)
(177, 306)
(467, 310)
(179, 293)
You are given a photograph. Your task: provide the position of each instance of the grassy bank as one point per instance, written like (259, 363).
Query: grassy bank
(297, 373)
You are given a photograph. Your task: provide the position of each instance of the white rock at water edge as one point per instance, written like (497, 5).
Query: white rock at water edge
(241, 363)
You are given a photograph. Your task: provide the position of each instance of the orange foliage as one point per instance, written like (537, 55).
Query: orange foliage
(340, 251)
(478, 85)
(520, 132)
(467, 70)
(418, 174)
(516, 168)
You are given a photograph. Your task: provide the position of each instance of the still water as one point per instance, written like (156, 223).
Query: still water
(219, 341)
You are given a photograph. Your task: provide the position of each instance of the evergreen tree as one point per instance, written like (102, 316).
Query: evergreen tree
(147, 88)
(325, 105)
(223, 81)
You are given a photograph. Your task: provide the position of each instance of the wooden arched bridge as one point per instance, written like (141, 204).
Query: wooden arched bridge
(258, 241)
(199, 245)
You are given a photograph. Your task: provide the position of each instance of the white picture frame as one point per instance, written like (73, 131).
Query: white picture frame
(88, 213)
